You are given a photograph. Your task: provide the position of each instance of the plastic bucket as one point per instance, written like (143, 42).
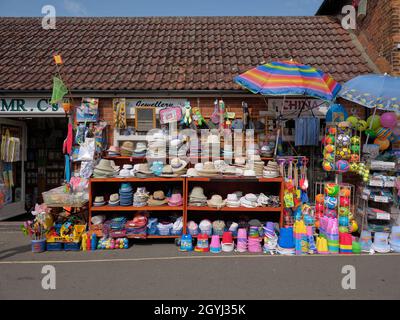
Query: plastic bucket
(38, 245)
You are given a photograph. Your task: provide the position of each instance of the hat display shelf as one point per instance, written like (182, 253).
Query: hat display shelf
(227, 185)
(107, 186)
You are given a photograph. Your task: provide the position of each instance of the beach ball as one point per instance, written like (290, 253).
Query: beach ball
(361, 125)
(331, 189)
(383, 144)
(354, 158)
(329, 157)
(308, 220)
(344, 211)
(332, 130)
(344, 201)
(330, 202)
(389, 120)
(342, 166)
(375, 121)
(383, 133)
(329, 148)
(343, 140)
(343, 153)
(355, 148)
(344, 221)
(319, 207)
(328, 166)
(353, 120)
(355, 140)
(330, 139)
(330, 213)
(319, 198)
(345, 192)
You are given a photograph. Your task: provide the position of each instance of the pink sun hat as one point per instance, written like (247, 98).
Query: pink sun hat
(175, 200)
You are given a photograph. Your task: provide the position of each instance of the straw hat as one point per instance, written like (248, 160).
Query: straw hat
(168, 172)
(192, 172)
(144, 168)
(240, 161)
(113, 149)
(198, 193)
(157, 199)
(105, 165)
(140, 147)
(216, 201)
(127, 145)
(178, 164)
(208, 169)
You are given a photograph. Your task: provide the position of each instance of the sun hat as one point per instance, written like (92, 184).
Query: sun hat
(167, 172)
(99, 201)
(240, 161)
(218, 227)
(202, 243)
(105, 165)
(140, 147)
(175, 200)
(96, 220)
(249, 173)
(205, 227)
(271, 170)
(208, 169)
(113, 151)
(125, 187)
(178, 164)
(144, 168)
(192, 172)
(197, 192)
(157, 168)
(381, 242)
(114, 199)
(215, 246)
(193, 228)
(216, 201)
(157, 199)
(127, 145)
(232, 200)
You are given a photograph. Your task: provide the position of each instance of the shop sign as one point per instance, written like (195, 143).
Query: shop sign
(29, 106)
(157, 103)
(292, 107)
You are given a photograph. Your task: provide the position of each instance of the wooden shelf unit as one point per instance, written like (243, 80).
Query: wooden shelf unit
(218, 185)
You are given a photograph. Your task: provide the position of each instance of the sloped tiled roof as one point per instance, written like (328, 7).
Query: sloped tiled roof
(168, 53)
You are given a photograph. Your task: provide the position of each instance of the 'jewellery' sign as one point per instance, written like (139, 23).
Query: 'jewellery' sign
(28, 106)
(157, 103)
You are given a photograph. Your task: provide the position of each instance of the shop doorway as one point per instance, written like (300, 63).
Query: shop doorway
(40, 166)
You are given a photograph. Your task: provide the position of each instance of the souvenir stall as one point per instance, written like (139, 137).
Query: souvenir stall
(222, 180)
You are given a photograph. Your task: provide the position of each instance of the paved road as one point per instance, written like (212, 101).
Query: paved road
(159, 271)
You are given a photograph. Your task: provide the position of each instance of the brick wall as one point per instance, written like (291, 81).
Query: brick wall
(379, 31)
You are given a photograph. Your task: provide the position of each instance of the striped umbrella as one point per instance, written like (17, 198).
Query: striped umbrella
(289, 78)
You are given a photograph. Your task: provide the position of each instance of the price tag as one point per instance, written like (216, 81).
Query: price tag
(389, 184)
(383, 216)
(376, 183)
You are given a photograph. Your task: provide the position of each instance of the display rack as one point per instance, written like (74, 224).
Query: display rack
(221, 185)
(107, 186)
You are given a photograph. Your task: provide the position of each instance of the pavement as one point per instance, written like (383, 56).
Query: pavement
(156, 270)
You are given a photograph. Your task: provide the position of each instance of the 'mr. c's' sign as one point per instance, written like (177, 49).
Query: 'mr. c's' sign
(29, 106)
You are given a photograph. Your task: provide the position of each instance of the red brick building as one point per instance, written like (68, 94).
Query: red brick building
(378, 29)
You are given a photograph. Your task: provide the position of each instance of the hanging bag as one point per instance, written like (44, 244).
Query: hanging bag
(170, 114)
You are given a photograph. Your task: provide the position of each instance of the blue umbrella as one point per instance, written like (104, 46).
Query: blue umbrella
(373, 91)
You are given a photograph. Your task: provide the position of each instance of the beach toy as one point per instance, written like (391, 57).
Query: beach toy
(355, 148)
(286, 239)
(344, 211)
(329, 157)
(186, 243)
(345, 192)
(322, 245)
(353, 120)
(330, 202)
(384, 133)
(344, 201)
(342, 166)
(344, 221)
(383, 144)
(332, 131)
(366, 241)
(354, 158)
(361, 125)
(242, 240)
(345, 243)
(374, 122)
(319, 198)
(331, 189)
(319, 207)
(343, 229)
(331, 213)
(355, 140)
(328, 166)
(329, 148)
(330, 139)
(343, 140)
(343, 153)
(202, 243)
(381, 242)
(353, 226)
(215, 246)
(371, 133)
(389, 120)
(356, 247)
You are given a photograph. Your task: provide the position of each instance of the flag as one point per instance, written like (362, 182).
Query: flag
(59, 90)
(58, 59)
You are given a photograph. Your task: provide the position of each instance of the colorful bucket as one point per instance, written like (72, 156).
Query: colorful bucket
(38, 246)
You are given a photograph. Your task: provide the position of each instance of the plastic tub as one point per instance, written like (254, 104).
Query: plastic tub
(54, 246)
(38, 245)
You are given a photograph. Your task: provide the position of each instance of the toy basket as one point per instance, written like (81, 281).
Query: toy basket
(54, 246)
(59, 198)
(72, 246)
